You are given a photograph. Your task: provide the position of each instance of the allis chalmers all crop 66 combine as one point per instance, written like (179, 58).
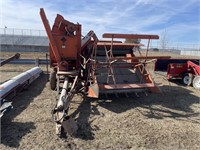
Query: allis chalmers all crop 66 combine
(93, 66)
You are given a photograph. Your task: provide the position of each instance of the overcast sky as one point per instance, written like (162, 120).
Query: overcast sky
(180, 18)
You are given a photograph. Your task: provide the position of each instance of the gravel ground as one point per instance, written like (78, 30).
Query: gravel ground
(169, 120)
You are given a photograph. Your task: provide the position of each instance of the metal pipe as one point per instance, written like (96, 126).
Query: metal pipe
(20, 80)
(28, 61)
(3, 62)
(11, 87)
(60, 104)
(69, 97)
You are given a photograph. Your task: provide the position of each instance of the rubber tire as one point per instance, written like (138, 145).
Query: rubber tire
(196, 82)
(187, 79)
(52, 80)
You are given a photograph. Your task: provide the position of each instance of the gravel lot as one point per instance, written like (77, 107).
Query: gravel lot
(169, 120)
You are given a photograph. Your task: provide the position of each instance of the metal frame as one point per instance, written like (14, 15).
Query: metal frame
(75, 59)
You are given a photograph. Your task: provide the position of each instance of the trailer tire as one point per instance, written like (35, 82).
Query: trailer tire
(52, 80)
(187, 78)
(196, 82)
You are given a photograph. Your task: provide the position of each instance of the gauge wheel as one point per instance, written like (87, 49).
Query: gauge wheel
(196, 82)
(187, 79)
(52, 80)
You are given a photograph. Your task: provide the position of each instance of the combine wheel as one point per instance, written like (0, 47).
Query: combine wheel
(196, 82)
(52, 80)
(187, 79)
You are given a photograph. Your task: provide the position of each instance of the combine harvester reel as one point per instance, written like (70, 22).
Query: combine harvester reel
(92, 66)
(118, 69)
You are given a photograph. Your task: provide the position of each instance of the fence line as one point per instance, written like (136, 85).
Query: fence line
(176, 45)
(42, 33)
(184, 48)
(22, 32)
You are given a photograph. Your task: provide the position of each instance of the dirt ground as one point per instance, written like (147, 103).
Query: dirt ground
(169, 120)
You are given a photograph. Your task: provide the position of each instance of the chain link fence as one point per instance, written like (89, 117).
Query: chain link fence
(22, 32)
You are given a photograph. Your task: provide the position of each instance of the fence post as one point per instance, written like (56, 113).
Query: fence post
(5, 31)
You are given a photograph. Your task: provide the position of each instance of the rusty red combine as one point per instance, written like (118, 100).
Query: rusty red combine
(84, 63)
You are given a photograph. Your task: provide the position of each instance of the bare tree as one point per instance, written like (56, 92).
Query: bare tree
(134, 41)
(164, 40)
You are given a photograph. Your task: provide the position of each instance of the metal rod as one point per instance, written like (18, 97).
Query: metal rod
(141, 57)
(3, 62)
(51, 39)
(147, 48)
(130, 36)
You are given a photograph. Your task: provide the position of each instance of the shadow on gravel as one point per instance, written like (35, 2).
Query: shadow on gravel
(13, 132)
(173, 102)
(84, 111)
